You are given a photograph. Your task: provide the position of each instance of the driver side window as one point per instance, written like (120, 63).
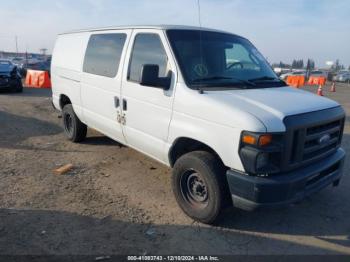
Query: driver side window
(147, 49)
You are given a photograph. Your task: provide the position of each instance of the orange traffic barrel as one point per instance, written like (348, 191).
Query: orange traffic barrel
(37, 79)
(295, 81)
(317, 80)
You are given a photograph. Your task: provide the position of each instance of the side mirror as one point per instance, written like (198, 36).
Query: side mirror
(149, 77)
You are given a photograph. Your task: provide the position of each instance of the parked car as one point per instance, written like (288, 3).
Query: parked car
(339, 73)
(230, 129)
(17, 61)
(35, 65)
(344, 77)
(10, 78)
(318, 73)
(280, 71)
(295, 73)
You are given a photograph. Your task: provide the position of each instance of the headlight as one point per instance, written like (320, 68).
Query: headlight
(262, 161)
(260, 153)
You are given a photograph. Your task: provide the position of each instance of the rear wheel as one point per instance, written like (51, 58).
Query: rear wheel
(74, 129)
(200, 186)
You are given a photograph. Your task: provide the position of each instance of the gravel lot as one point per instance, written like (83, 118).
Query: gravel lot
(117, 201)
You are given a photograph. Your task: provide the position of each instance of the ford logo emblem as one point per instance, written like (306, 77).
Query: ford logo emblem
(324, 139)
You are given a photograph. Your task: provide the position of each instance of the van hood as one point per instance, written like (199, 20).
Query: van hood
(272, 105)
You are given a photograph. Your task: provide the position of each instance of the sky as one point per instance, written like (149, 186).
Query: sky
(282, 30)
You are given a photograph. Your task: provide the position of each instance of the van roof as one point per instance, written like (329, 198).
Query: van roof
(161, 27)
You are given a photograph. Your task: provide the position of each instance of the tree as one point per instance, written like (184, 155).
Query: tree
(298, 64)
(337, 66)
(281, 65)
(310, 65)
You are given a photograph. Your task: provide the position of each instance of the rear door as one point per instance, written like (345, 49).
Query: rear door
(147, 110)
(101, 81)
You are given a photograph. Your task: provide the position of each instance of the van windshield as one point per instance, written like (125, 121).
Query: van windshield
(214, 59)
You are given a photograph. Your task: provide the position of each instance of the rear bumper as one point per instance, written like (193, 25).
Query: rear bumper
(252, 192)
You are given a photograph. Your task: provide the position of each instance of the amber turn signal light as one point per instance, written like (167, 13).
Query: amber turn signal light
(265, 140)
(257, 140)
(249, 139)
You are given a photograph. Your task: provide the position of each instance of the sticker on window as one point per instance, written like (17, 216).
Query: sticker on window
(200, 69)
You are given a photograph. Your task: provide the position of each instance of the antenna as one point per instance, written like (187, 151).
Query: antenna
(199, 13)
(200, 38)
(16, 41)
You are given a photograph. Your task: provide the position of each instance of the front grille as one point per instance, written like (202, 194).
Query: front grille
(314, 146)
(3, 80)
(312, 136)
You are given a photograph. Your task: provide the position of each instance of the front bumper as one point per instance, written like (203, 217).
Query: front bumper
(253, 192)
(8, 84)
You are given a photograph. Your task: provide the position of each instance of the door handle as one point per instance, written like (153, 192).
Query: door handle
(125, 105)
(116, 102)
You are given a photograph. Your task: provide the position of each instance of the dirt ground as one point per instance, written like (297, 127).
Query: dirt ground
(117, 201)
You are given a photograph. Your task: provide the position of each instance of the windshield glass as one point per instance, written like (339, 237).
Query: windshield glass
(3, 63)
(214, 59)
(5, 66)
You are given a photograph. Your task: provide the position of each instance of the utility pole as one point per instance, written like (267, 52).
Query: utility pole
(26, 55)
(16, 40)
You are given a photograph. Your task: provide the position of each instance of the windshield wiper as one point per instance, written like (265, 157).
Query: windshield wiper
(204, 79)
(264, 78)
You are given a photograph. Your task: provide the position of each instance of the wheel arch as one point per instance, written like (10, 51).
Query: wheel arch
(183, 145)
(64, 100)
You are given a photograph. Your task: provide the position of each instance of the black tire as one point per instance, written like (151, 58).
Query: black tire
(19, 88)
(200, 187)
(74, 129)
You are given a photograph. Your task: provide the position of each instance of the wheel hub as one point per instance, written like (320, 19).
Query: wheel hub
(195, 191)
(68, 123)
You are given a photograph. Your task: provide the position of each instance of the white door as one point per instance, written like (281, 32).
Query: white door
(101, 81)
(147, 110)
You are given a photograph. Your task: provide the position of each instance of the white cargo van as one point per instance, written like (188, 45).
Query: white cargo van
(207, 104)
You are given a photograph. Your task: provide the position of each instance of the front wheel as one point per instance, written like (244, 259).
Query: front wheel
(200, 187)
(19, 87)
(74, 129)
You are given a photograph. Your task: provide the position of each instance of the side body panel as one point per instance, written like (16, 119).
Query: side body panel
(198, 117)
(149, 109)
(99, 95)
(66, 66)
